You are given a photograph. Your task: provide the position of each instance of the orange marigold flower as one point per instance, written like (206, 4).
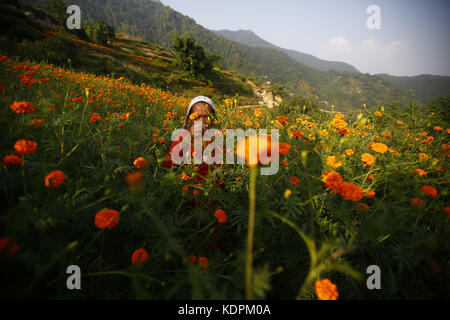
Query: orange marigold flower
(370, 177)
(221, 216)
(134, 179)
(22, 107)
(294, 180)
(418, 203)
(107, 218)
(139, 256)
(437, 128)
(332, 180)
(367, 159)
(429, 191)
(11, 159)
(204, 262)
(378, 113)
(423, 156)
(141, 163)
(297, 134)
(284, 148)
(262, 144)
(326, 290)
(333, 162)
(55, 178)
(420, 172)
(282, 119)
(369, 194)
(379, 147)
(25, 146)
(349, 152)
(350, 191)
(8, 246)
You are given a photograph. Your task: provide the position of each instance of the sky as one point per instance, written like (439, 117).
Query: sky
(412, 39)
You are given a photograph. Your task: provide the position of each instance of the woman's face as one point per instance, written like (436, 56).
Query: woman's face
(204, 112)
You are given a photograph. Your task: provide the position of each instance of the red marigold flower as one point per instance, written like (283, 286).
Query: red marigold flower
(11, 159)
(139, 256)
(25, 146)
(8, 246)
(55, 178)
(429, 191)
(107, 218)
(221, 216)
(22, 107)
(192, 258)
(95, 117)
(326, 290)
(447, 211)
(362, 207)
(294, 180)
(418, 203)
(204, 262)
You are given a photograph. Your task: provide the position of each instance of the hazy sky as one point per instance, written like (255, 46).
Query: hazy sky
(413, 38)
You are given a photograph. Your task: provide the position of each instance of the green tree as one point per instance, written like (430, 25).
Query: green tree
(192, 58)
(100, 32)
(57, 9)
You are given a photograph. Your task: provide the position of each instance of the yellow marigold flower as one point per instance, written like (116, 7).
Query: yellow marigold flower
(339, 124)
(287, 193)
(332, 162)
(379, 147)
(367, 159)
(326, 290)
(378, 113)
(193, 116)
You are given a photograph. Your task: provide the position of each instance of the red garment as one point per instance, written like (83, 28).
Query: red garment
(203, 169)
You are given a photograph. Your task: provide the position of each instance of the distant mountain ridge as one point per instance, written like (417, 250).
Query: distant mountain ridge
(249, 38)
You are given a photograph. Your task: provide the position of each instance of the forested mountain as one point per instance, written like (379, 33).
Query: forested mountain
(424, 86)
(249, 38)
(155, 22)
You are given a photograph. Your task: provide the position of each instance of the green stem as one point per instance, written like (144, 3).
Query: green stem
(250, 235)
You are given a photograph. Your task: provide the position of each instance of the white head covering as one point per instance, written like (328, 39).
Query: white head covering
(194, 101)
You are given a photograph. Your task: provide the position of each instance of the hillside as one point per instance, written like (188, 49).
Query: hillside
(157, 23)
(249, 38)
(38, 36)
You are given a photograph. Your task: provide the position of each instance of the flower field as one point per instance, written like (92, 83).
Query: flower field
(83, 182)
